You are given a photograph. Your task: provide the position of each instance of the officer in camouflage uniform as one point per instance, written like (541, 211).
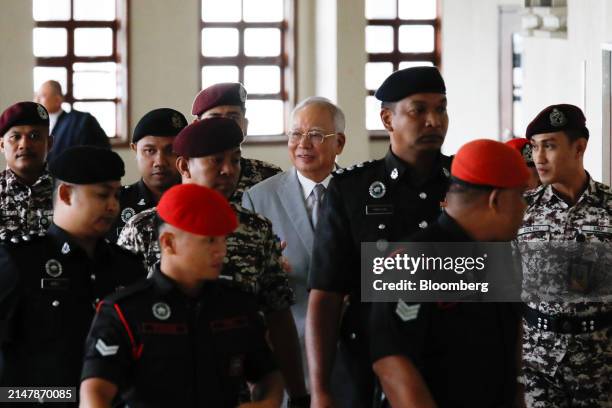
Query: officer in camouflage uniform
(25, 186)
(227, 100)
(209, 155)
(152, 143)
(567, 340)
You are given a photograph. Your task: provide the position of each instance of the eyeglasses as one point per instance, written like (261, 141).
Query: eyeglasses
(315, 136)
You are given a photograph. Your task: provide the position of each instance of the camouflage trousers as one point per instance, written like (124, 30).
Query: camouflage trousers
(563, 370)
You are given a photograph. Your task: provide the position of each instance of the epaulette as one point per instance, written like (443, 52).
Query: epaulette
(19, 239)
(246, 212)
(353, 169)
(129, 291)
(142, 216)
(125, 252)
(604, 188)
(233, 289)
(531, 196)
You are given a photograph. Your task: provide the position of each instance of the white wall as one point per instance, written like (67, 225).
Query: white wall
(15, 52)
(470, 67)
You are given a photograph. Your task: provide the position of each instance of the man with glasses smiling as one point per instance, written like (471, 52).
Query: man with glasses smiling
(379, 201)
(25, 186)
(291, 199)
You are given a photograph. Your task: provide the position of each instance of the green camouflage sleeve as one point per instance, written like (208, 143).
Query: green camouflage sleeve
(275, 292)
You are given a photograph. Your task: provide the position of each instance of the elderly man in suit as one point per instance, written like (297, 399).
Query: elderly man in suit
(291, 199)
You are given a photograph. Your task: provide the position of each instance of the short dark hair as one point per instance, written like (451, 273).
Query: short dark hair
(575, 134)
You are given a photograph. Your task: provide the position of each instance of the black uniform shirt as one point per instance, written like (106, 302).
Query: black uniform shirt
(134, 199)
(466, 352)
(49, 288)
(379, 202)
(164, 349)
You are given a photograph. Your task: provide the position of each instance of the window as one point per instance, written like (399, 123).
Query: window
(249, 41)
(82, 44)
(399, 34)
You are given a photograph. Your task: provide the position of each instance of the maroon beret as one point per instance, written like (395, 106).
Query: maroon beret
(208, 136)
(557, 118)
(226, 93)
(23, 113)
(198, 210)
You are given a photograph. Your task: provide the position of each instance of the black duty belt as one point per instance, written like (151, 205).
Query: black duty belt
(565, 324)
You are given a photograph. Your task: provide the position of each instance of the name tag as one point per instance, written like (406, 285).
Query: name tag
(533, 228)
(54, 284)
(597, 229)
(232, 323)
(379, 209)
(164, 328)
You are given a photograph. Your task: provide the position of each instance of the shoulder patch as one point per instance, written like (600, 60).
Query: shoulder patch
(142, 217)
(603, 187)
(126, 293)
(531, 196)
(248, 217)
(260, 164)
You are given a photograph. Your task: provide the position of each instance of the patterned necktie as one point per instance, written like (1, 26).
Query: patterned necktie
(317, 193)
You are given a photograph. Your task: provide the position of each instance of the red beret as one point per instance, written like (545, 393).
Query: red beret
(198, 210)
(208, 136)
(524, 148)
(226, 93)
(485, 162)
(23, 113)
(558, 118)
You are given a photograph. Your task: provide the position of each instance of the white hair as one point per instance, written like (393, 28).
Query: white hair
(336, 112)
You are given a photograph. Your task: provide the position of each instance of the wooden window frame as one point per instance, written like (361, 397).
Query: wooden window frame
(395, 57)
(285, 61)
(119, 56)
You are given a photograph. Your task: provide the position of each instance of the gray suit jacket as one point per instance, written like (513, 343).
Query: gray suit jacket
(279, 198)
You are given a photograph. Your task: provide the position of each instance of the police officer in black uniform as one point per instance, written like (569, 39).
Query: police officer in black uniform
(379, 201)
(459, 354)
(152, 142)
(183, 338)
(50, 285)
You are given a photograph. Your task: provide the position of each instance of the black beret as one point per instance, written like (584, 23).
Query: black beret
(23, 113)
(208, 136)
(409, 81)
(557, 118)
(159, 122)
(87, 165)
(225, 93)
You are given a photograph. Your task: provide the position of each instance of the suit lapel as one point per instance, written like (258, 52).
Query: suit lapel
(290, 196)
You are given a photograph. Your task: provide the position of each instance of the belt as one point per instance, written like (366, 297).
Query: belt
(565, 324)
